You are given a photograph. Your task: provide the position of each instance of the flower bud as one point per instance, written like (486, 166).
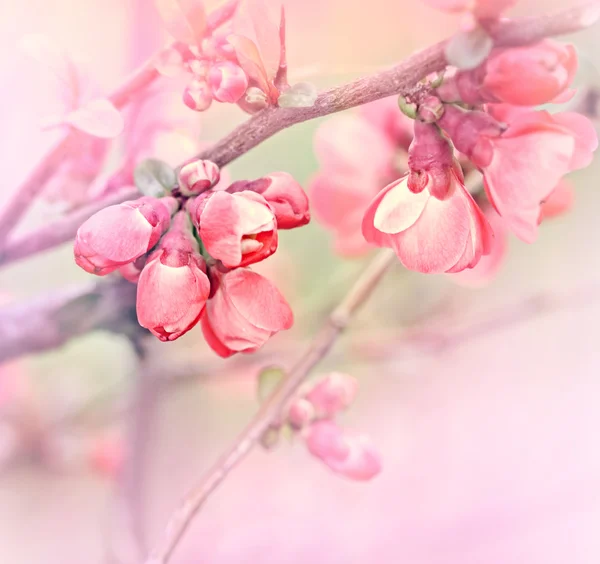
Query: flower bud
(118, 235)
(228, 82)
(197, 96)
(237, 229)
(332, 394)
(173, 287)
(198, 176)
(245, 312)
(300, 413)
(347, 453)
(286, 198)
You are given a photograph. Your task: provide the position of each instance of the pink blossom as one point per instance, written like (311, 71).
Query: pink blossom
(120, 234)
(106, 455)
(198, 176)
(286, 198)
(227, 82)
(558, 202)
(237, 229)
(428, 217)
(529, 159)
(300, 413)
(525, 76)
(332, 394)
(173, 287)
(245, 312)
(348, 453)
(489, 266)
(197, 95)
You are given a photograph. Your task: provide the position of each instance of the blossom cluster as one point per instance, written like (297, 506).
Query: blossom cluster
(189, 253)
(411, 195)
(312, 414)
(243, 63)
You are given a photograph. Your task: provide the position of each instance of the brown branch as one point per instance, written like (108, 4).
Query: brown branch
(271, 409)
(52, 319)
(60, 231)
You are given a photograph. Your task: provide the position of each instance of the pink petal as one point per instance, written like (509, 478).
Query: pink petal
(212, 340)
(399, 208)
(266, 27)
(258, 300)
(98, 118)
(185, 20)
(586, 138)
(250, 60)
(436, 242)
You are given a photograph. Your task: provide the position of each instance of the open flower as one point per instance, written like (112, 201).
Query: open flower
(428, 217)
(237, 229)
(173, 286)
(245, 312)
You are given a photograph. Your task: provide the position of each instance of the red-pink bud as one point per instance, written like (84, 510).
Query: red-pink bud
(120, 234)
(198, 176)
(197, 96)
(348, 453)
(237, 229)
(245, 312)
(285, 196)
(301, 413)
(228, 82)
(173, 287)
(334, 393)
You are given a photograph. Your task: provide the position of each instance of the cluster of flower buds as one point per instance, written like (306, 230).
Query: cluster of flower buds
(189, 253)
(481, 119)
(242, 65)
(312, 414)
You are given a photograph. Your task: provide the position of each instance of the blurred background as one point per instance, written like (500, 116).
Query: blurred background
(482, 402)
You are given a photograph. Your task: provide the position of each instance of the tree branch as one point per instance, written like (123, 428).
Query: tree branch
(50, 320)
(271, 409)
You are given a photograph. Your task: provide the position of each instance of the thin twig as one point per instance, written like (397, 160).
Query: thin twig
(272, 408)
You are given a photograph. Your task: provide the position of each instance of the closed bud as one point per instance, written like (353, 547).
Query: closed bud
(227, 81)
(197, 96)
(198, 176)
(347, 453)
(332, 394)
(245, 312)
(286, 197)
(173, 287)
(118, 235)
(237, 229)
(301, 413)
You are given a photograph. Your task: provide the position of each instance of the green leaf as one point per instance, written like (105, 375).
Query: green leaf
(268, 380)
(154, 178)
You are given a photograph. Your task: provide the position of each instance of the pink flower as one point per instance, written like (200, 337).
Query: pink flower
(245, 312)
(197, 95)
(173, 287)
(530, 75)
(558, 202)
(227, 82)
(529, 159)
(357, 158)
(427, 217)
(237, 229)
(482, 9)
(120, 234)
(198, 176)
(489, 266)
(334, 393)
(286, 198)
(348, 453)
(523, 76)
